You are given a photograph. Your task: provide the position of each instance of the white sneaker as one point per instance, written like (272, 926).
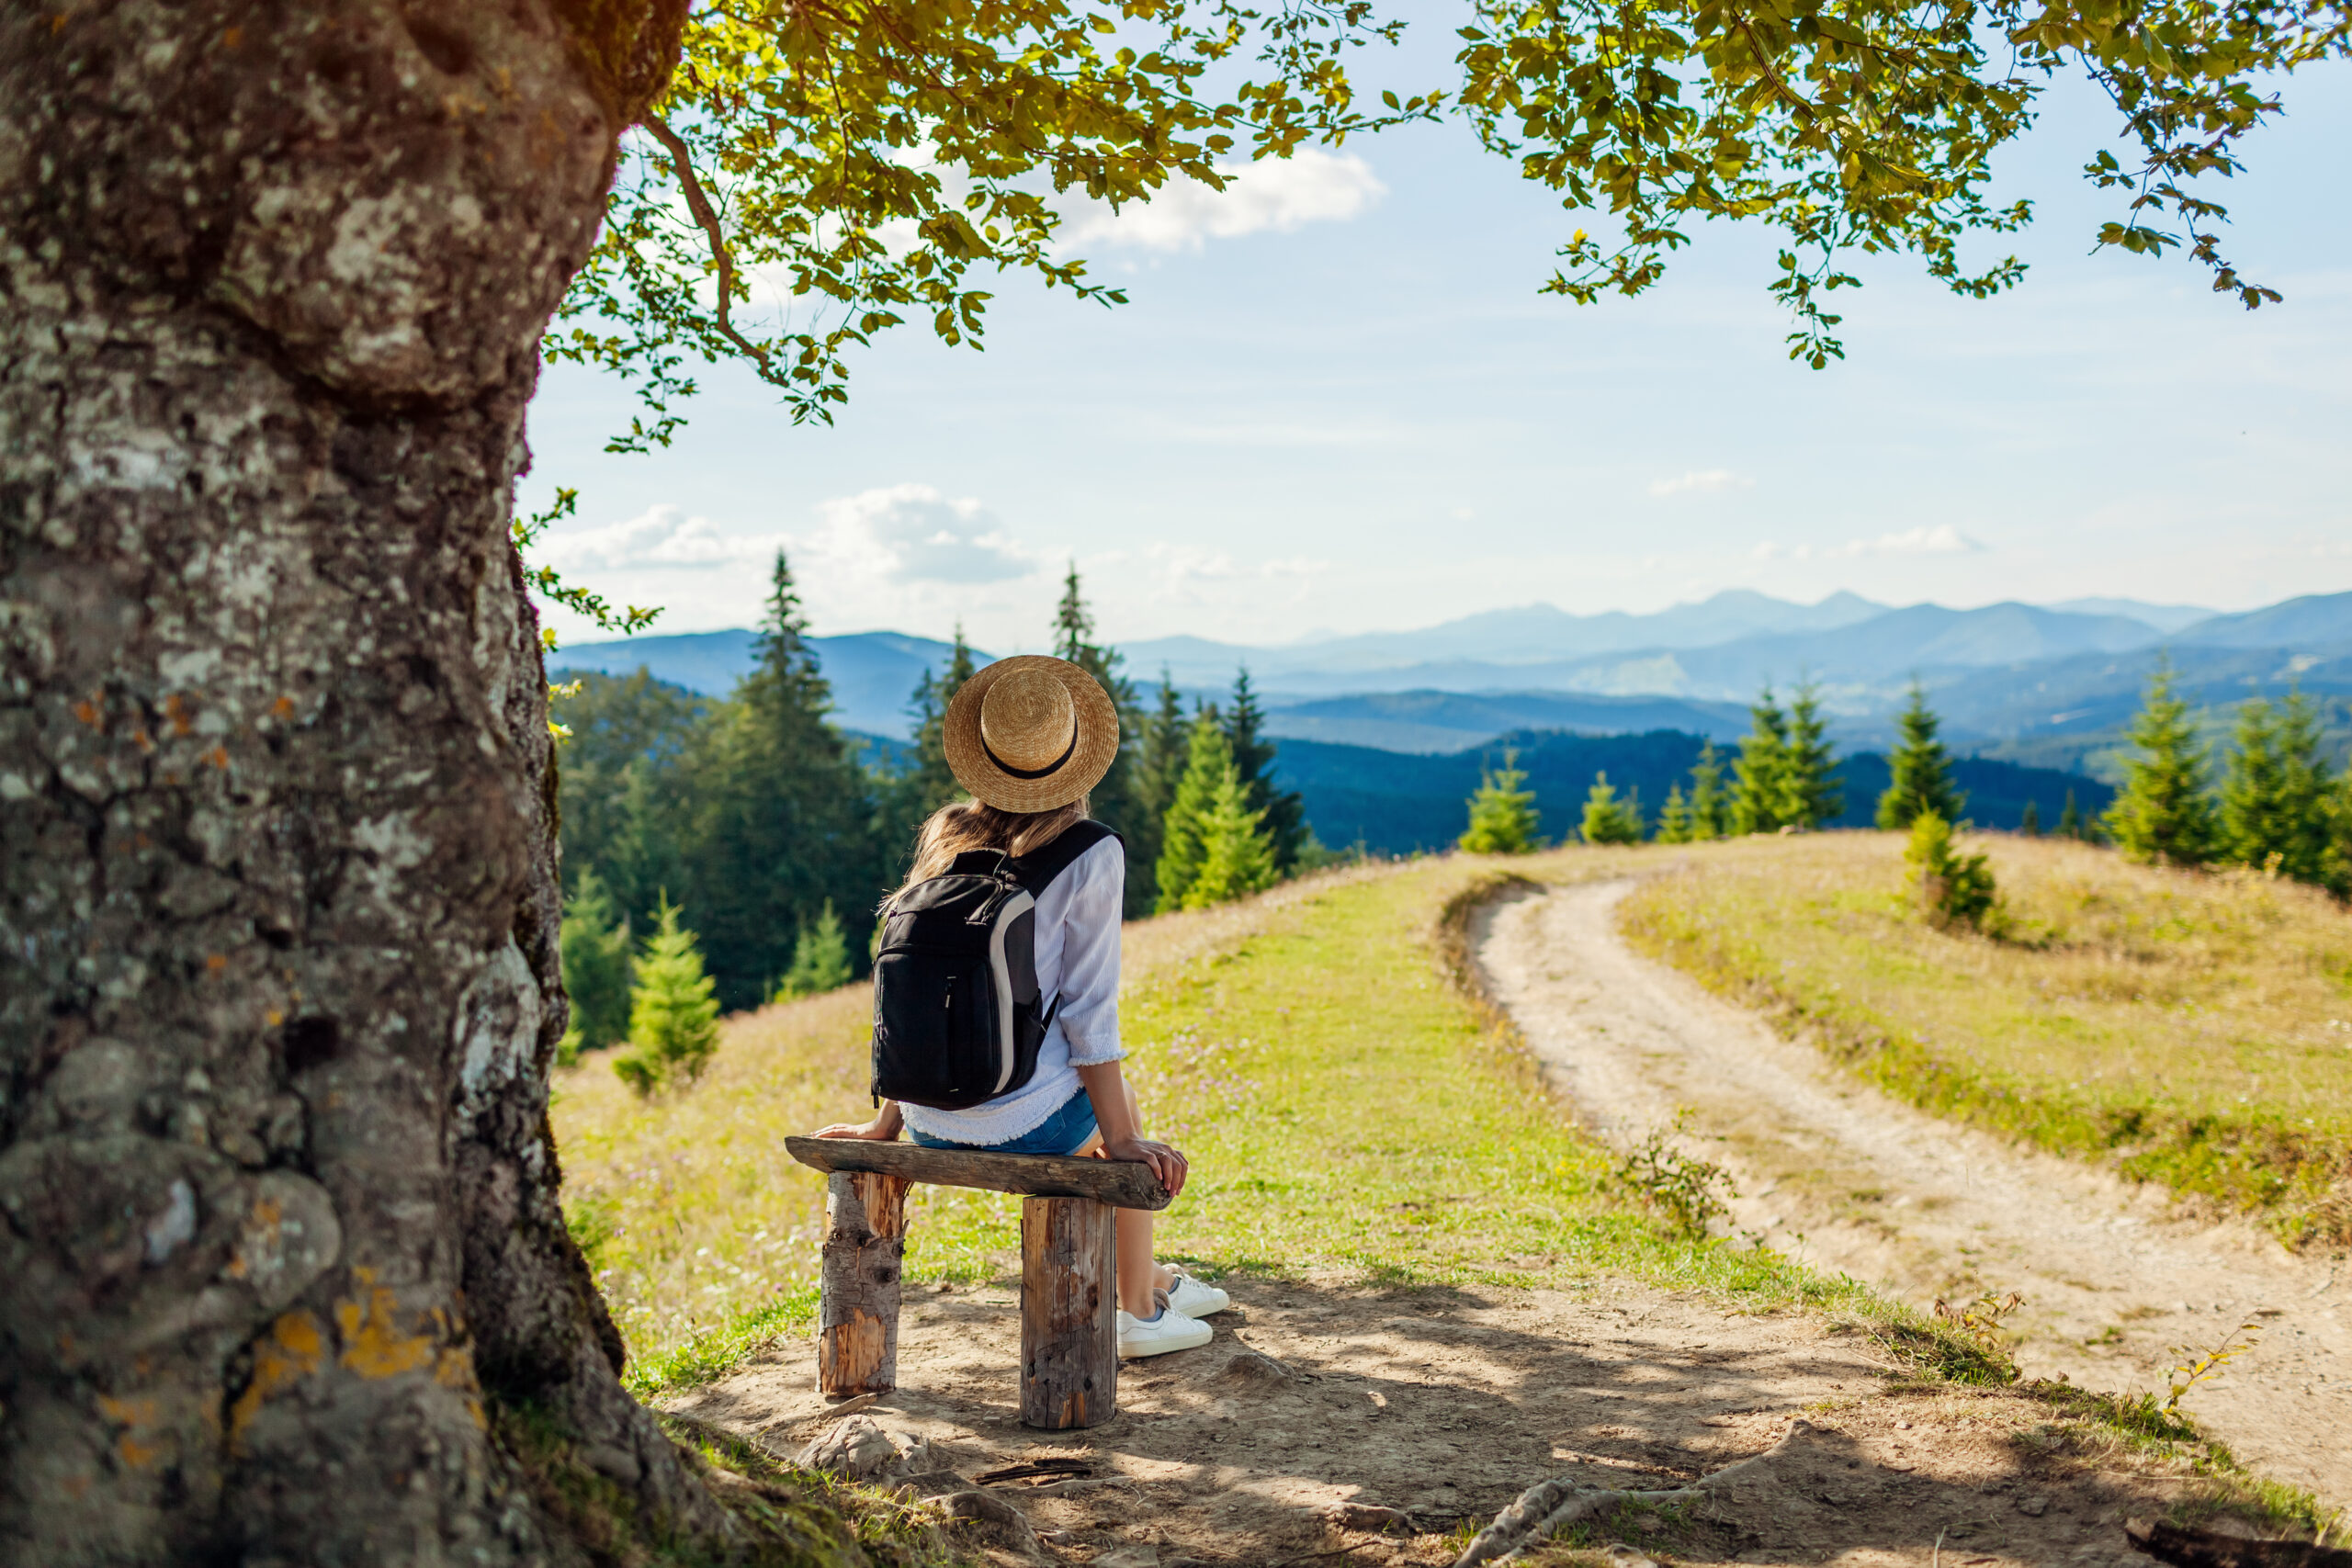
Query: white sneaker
(1193, 1299)
(1159, 1334)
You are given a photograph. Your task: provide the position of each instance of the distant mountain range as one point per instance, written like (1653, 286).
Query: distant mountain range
(2050, 684)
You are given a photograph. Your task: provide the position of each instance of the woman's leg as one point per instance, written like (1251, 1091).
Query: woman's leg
(1139, 1274)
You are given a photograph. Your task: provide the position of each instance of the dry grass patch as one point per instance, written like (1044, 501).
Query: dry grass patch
(2192, 1030)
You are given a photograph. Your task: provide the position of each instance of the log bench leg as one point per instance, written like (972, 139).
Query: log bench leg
(857, 1319)
(1069, 1305)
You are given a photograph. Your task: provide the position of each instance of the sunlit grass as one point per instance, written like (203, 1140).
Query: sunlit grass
(704, 1232)
(1347, 1111)
(2189, 1029)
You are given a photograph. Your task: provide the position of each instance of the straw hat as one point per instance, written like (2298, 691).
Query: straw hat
(1031, 733)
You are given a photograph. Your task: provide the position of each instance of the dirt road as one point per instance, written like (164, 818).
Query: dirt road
(1833, 1171)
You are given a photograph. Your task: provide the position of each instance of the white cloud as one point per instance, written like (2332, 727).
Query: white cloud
(663, 536)
(1187, 575)
(1943, 539)
(1280, 194)
(1703, 479)
(911, 533)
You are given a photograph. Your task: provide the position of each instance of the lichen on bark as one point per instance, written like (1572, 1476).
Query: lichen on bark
(278, 985)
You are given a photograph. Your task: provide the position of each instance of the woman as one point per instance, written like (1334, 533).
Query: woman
(1028, 737)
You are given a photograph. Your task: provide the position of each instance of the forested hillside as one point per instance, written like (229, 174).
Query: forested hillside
(1395, 805)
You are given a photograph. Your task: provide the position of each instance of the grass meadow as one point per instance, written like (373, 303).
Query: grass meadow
(1345, 1108)
(2188, 1029)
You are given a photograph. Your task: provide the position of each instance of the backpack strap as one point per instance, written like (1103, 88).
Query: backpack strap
(1038, 869)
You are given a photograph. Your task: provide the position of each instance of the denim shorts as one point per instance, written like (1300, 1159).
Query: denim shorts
(1063, 1133)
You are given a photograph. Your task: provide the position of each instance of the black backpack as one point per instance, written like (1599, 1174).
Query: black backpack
(957, 1019)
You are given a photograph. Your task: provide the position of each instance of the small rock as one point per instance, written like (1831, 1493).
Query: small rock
(1255, 1367)
(1128, 1557)
(991, 1517)
(1902, 1425)
(915, 1457)
(1365, 1517)
(856, 1449)
(1624, 1556)
(936, 1483)
(2033, 1507)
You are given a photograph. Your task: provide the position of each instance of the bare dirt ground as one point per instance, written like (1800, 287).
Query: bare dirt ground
(1446, 1404)
(1322, 1393)
(2115, 1277)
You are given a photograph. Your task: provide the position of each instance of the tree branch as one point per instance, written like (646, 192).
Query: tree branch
(704, 214)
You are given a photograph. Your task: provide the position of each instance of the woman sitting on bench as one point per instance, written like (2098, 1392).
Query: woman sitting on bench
(1028, 737)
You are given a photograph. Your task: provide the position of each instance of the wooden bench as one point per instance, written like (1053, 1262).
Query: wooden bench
(1069, 1273)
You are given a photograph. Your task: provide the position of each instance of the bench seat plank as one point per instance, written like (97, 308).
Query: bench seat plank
(1123, 1184)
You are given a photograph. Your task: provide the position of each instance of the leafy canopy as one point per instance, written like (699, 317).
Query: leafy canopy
(820, 171)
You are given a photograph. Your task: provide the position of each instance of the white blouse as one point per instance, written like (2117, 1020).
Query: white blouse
(1077, 959)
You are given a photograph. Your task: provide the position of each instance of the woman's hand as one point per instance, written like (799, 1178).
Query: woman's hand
(882, 1129)
(872, 1130)
(1167, 1163)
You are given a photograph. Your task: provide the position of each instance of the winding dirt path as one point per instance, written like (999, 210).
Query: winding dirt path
(1842, 1176)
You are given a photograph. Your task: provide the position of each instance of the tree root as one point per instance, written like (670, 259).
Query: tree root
(1551, 1506)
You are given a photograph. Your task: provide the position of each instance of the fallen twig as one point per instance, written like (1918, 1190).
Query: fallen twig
(2204, 1548)
(1549, 1505)
(1058, 1469)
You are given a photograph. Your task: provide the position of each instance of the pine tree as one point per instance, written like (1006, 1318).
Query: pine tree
(1237, 852)
(1757, 793)
(1674, 824)
(1182, 843)
(1253, 760)
(1163, 751)
(1709, 811)
(820, 959)
(2278, 798)
(783, 814)
(1115, 798)
(1609, 820)
(1503, 820)
(624, 737)
(2030, 820)
(933, 781)
(595, 968)
(2161, 813)
(1919, 770)
(1164, 747)
(672, 1012)
(1809, 794)
(2070, 819)
(1953, 888)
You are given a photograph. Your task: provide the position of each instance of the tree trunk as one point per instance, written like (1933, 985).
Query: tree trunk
(286, 1280)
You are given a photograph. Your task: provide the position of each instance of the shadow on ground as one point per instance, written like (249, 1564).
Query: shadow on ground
(1446, 1404)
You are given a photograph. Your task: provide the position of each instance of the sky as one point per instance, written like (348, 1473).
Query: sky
(1337, 403)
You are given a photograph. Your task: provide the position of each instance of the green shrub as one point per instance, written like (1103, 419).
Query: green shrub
(1502, 813)
(596, 969)
(673, 1013)
(1237, 852)
(820, 959)
(1609, 820)
(1953, 888)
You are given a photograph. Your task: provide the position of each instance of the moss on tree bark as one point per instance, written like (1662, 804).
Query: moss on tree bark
(286, 1275)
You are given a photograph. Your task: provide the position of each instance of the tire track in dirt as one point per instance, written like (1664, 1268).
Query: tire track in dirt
(1837, 1173)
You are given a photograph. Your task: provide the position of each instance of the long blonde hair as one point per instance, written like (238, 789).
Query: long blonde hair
(973, 825)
